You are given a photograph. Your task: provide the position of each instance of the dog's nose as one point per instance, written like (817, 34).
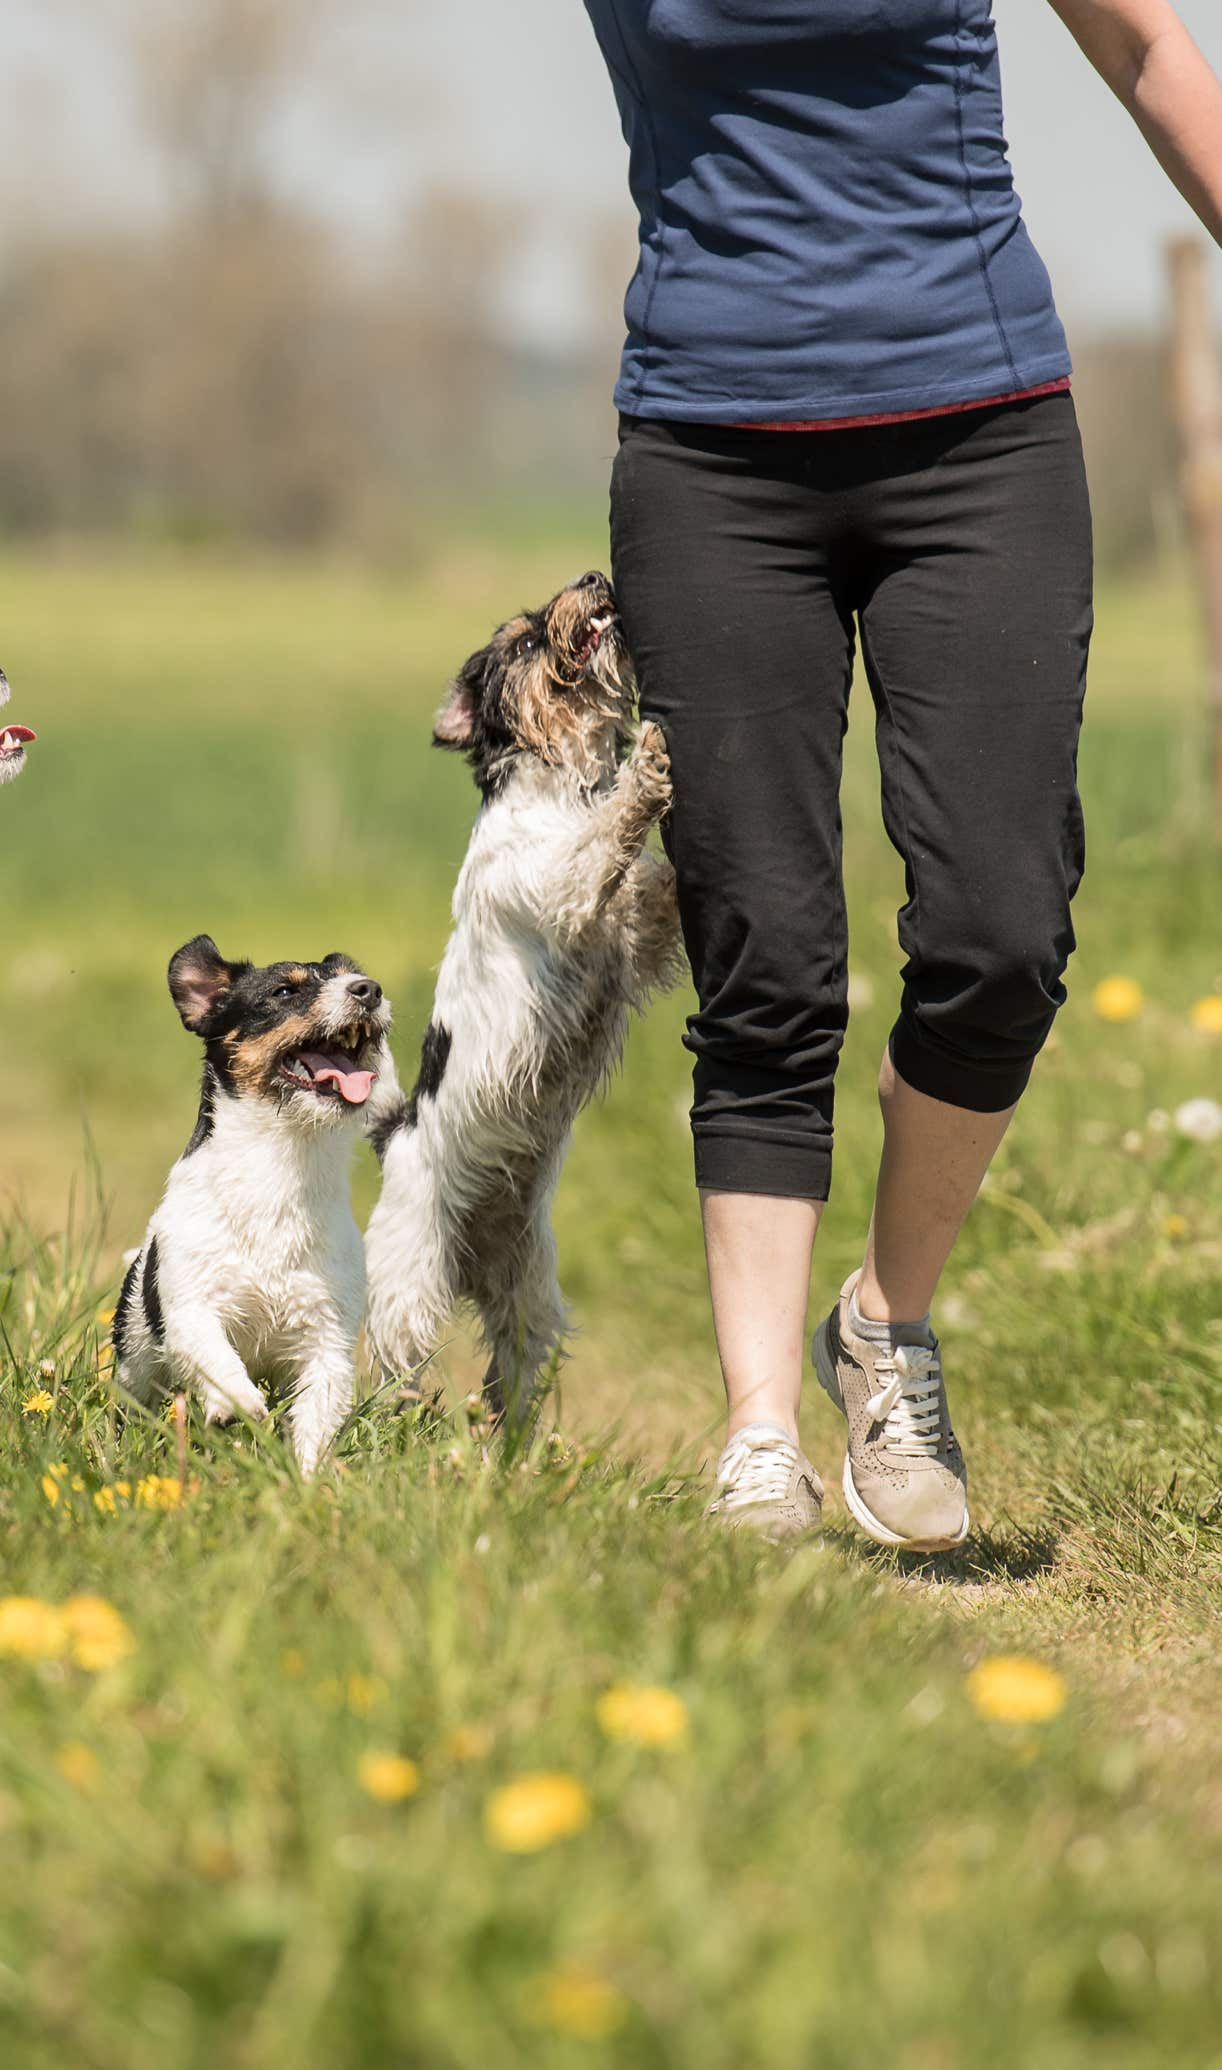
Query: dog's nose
(365, 990)
(592, 579)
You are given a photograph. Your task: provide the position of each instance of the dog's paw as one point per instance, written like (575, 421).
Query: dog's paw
(222, 1404)
(651, 768)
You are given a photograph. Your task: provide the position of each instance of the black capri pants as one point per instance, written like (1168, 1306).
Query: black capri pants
(744, 561)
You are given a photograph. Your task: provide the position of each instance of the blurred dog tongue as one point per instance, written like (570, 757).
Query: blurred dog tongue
(355, 1085)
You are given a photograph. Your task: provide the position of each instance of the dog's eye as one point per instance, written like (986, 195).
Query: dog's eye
(527, 644)
(284, 991)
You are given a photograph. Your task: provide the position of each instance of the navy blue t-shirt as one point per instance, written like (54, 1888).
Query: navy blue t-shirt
(829, 226)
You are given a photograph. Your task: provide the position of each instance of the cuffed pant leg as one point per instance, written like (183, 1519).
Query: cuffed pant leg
(976, 635)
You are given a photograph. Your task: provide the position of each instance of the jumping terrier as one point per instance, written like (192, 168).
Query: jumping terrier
(252, 1266)
(13, 740)
(563, 921)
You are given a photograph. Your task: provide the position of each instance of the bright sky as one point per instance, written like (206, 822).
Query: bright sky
(513, 100)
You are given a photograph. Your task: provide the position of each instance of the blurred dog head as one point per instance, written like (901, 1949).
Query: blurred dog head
(13, 740)
(305, 1037)
(555, 684)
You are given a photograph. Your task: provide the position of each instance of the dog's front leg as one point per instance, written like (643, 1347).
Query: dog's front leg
(321, 1400)
(204, 1362)
(650, 909)
(620, 825)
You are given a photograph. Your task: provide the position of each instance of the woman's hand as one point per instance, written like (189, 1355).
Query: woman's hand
(1144, 52)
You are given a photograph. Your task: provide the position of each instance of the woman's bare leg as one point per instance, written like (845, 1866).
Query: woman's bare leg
(934, 1158)
(759, 1250)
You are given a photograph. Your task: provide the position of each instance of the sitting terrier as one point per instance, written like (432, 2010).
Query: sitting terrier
(13, 739)
(563, 921)
(252, 1267)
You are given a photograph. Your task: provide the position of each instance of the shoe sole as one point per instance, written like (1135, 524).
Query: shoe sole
(829, 1380)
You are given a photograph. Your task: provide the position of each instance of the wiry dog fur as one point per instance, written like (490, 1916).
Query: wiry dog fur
(563, 921)
(13, 740)
(252, 1267)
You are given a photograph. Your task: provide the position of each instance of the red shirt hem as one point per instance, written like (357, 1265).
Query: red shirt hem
(988, 402)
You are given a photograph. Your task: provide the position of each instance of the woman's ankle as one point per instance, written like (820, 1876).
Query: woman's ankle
(750, 1415)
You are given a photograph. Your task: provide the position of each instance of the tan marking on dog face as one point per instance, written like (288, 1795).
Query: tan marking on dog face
(567, 615)
(254, 1058)
(556, 720)
(567, 717)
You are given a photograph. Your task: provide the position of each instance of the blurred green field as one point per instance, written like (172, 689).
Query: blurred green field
(842, 1857)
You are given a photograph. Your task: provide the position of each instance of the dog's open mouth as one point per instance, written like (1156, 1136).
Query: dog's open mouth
(331, 1074)
(13, 739)
(597, 626)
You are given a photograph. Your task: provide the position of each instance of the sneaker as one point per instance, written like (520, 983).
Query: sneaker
(765, 1484)
(904, 1476)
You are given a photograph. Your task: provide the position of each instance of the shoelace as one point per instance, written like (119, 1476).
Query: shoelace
(909, 1406)
(756, 1466)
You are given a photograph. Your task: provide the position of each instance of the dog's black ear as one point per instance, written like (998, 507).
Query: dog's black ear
(199, 979)
(454, 726)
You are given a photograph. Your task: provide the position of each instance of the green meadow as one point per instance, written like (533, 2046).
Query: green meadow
(252, 1807)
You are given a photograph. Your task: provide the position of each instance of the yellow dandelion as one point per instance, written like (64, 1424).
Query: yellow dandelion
(388, 1777)
(292, 1663)
(78, 1764)
(158, 1491)
(105, 1317)
(650, 1717)
(468, 1743)
(1176, 1227)
(1118, 999)
(97, 1635)
(51, 1480)
(574, 1999)
(106, 1359)
(365, 1693)
(77, 1484)
(1015, 1690)
(1206, 1015)
(113, 1497)
(29, 1628)
(40, 1403)
(535, 1809)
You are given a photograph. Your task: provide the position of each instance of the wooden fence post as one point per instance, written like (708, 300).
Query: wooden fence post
(1197, 384)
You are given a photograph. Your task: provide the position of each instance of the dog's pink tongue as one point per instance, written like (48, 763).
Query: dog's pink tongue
(355, 1085)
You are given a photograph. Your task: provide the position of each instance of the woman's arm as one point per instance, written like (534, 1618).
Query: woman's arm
(1144, 52)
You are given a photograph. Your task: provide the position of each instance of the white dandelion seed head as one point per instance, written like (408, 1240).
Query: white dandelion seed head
(1201, 1120)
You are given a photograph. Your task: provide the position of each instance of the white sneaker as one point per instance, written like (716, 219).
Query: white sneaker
(904, 1476)
(765, 1484)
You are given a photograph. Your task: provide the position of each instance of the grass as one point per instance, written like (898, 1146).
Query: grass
(841, 1859)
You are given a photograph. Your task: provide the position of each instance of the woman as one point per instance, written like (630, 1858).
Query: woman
(845, 404)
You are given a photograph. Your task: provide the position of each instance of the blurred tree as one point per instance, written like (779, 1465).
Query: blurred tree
(212, 78)
(226, 364)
